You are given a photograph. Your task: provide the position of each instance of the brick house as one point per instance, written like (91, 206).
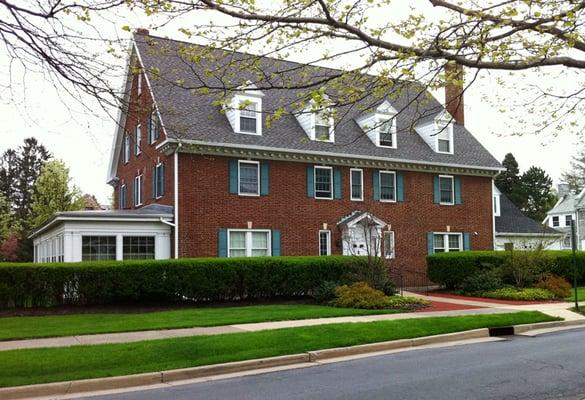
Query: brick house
(399, 177)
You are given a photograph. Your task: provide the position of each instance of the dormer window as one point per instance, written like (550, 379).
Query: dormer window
(445, 139)
(322, 127)
(387, 133)
(248, 117)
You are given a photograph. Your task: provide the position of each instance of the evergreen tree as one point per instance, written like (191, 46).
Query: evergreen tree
(537, 192)
(53, 192)
(508, 181)
(575, 177)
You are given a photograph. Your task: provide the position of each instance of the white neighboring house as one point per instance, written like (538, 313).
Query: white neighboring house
(514, 229)
(72, 236)
(570, 206)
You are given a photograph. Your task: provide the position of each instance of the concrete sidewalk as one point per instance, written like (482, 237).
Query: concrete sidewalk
(127, 337)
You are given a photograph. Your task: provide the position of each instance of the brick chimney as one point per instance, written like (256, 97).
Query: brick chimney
(454, 91)
(142, 31)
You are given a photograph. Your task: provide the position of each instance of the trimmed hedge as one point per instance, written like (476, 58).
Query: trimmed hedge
(451, 269)
(204, 279)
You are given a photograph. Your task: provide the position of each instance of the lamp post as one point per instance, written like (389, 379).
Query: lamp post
(573, 247)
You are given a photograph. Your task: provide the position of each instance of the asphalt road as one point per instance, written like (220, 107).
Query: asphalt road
(550, 366)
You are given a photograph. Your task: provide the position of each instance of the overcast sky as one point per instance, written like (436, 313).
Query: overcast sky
(84, 140)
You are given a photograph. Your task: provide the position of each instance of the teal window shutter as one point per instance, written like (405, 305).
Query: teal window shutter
(436, 190)
(264, 178)
(337, 183)
(233, 178)
(154, 173)
(430, 243)
(376, 184)
(466, 242)
(310, 181)
(275, 242)
(162, 180)
(457, 189)
(222, 245)
(399, 187)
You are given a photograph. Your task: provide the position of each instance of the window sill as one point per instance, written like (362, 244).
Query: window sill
(357, 199)
(323, 198)
(387, 201)
(446, 204)
(250, 133)
(248, 195)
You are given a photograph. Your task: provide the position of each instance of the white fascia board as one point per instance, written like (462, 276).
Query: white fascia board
(330, 154)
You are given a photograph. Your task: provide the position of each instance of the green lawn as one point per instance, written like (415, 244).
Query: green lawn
(21, 367)
(580, 294)
(79, 324)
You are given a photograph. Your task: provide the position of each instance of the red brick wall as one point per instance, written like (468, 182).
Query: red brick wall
(138, 113)
(206, 206)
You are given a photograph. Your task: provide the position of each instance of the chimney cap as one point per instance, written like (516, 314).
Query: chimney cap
(142, 31)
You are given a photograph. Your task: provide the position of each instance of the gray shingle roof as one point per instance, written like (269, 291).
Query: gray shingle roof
(188, 115)
(512, 220)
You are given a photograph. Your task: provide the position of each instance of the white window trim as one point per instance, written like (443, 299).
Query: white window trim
(361, 171)
(449, 128)
(249, 240)
(156, 188)
(314, 127)
(139, 84)
(452, 202)
(127, 148)
(124, 204)
(393, 255)
(137, 178)
(315, 181)
(258, 168)
(393, 130)
(496, 205)
(380, 186)
(238, 100)
(138, 139)
(328, 232)
(446, 240)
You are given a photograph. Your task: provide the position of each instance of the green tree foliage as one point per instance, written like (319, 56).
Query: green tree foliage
(575, 176)
(53, 192)
(508, 181)
(537, 193)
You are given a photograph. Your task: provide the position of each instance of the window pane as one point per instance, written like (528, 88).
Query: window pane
(322, 132)
(259, 240)
(138, 247)
(386, 186)
(238, 240)
(438, 243)
(386, 133)
(323, 182)
(356, 184)
(454, 241)
(446, 188)
(444, 145)
(249, 178)
(324, 243)
(95, 248)
(248, 124)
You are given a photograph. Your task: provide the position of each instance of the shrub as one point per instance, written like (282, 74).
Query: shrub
(482, 281)
(203, 279)
(510, 293)
(359, 295)
(325, 292)
(451, 269)
(373, 271)
(523, 267)
(555, 284)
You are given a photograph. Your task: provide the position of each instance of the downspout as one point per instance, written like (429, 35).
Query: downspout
(164, 221)
(493, 217)
(176, 201)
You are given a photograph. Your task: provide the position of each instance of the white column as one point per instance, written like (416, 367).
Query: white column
(68, 247)
(162, 246)
(119, 247)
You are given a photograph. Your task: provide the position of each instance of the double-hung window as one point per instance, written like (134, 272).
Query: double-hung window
(323, 182)
(153, 127)
(387, 133)
(249, 178)
(123, 195)
(568, 220)
(137, 139)
(249, 117)
(138, 190)
(324, 243)
(159, 180)
(139, 84)
(555, 221)
(127, 150)
(322, 127)
(447, 242)
(446, 189)
(387, 186)
(388, 244)
(445, 139)
(248, 243)
(357, 184)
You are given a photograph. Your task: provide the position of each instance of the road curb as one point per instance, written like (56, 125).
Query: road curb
(161, 377)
